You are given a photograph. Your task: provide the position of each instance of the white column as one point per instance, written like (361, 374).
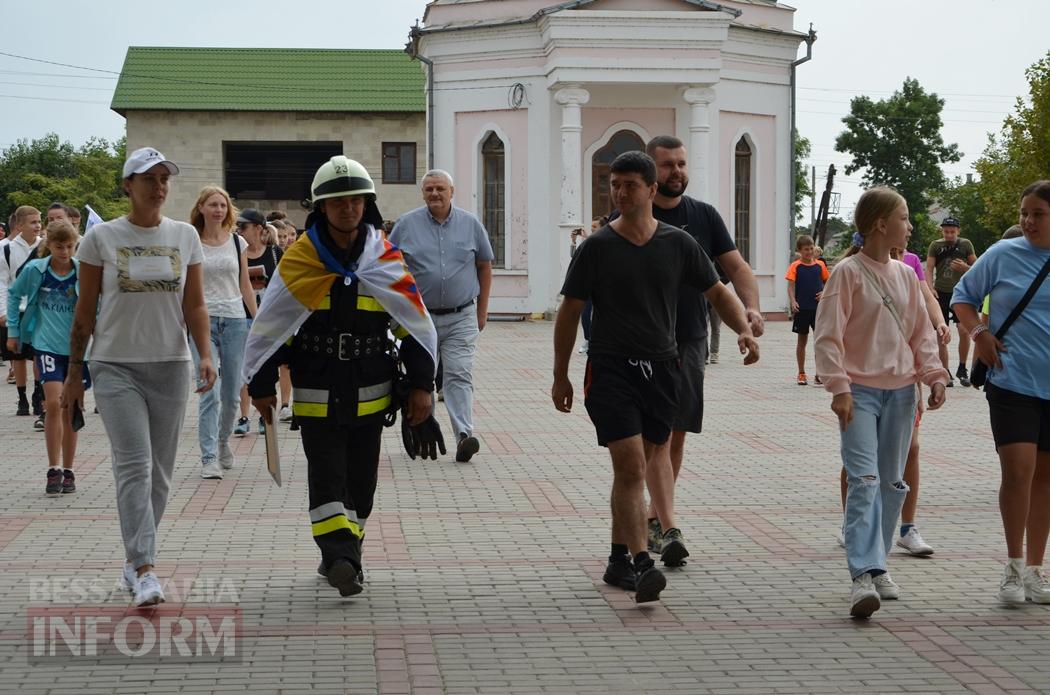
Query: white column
(699, 98)
(571, 99)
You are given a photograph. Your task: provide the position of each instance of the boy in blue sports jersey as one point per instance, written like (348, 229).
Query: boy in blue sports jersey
(806, 278)
(49, 284)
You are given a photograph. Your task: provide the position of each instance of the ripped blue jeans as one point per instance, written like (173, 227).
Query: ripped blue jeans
(874, 452)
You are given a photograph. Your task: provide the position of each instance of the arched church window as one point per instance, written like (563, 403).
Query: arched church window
(742, 194)
(494, 195)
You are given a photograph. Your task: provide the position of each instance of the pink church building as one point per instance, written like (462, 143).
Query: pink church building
(529, 102)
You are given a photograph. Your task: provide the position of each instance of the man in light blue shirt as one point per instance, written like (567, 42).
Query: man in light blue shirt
(448, 251)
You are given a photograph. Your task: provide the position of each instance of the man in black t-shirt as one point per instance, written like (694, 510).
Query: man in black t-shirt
(632, 270)
(704, 224)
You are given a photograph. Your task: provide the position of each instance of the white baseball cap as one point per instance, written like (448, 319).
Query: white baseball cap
(144, 159)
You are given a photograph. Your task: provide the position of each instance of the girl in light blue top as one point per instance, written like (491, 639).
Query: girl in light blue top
(1018, 388)
(51, 288)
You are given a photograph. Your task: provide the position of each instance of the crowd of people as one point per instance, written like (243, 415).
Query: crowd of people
(344, 326)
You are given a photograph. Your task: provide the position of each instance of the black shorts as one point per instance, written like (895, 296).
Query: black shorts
(626, 397)
(1017, 418)
(25, 354)
(690, 414)
(804, 321)
(945, 300)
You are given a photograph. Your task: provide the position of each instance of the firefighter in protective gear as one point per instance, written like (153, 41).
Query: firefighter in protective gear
(338, 290)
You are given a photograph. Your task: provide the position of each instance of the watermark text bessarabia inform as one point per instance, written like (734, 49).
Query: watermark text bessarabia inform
(70, 619)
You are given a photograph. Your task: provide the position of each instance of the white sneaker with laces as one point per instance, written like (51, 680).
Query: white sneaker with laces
(583, 347)
(225, 456)
(127, 577)
(285, 415)
(1036, 585)
(886, 587)
(914, 544)
(1011, 587)
(147, 590)
(863, 598)
(210, 471)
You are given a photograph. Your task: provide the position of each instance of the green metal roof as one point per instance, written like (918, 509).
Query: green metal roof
(268, 79)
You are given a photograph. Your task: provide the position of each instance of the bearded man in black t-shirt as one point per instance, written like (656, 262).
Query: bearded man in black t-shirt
(704, 224)
(633, 270)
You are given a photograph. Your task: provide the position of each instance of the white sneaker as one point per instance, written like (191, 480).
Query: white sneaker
(914, 544)
(886, 587)
(583, 347)
(127, 577)
(863, 599)
(713, 358)
(1011, 587)
(147, 590)
(1036, 585)
(210, 471)
(225, 456)
(285, 415)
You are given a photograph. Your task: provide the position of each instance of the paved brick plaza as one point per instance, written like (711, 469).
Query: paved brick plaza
(486, 577)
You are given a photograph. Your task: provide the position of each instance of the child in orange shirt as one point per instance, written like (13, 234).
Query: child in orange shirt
(806, 278)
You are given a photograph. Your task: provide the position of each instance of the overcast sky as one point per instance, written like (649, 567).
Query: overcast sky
(973, 53)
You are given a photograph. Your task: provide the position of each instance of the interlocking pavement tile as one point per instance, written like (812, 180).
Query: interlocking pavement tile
(486, 577)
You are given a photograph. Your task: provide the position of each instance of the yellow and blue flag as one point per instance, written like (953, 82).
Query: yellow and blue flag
(305, 276)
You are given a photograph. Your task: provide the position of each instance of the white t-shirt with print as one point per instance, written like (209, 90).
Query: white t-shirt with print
(143, 279)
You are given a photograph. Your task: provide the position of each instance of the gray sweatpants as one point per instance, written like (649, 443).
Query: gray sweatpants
(142, 407)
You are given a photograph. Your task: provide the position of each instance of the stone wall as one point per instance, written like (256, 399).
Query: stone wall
(194, 141)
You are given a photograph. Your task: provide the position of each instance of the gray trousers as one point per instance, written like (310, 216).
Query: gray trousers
(142, 407)
(457, 337)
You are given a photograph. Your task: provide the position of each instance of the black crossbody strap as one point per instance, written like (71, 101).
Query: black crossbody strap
(1032, 289)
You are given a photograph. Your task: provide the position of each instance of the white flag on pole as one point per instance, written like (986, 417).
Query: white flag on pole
(93, 218)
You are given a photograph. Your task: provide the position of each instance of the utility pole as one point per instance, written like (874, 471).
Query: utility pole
(821, 229)
(813, 202)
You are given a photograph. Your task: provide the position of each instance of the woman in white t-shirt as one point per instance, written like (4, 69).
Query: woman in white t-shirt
(227, 291)
(140, 289)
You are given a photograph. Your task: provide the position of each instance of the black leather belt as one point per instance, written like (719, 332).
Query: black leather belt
(344, 346)
(456, 310)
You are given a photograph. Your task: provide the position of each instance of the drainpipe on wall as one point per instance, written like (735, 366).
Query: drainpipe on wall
(810, 38)
(412, 49)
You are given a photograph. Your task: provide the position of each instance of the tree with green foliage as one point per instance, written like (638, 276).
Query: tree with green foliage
(802, 189)
(47, 170)
(897, 142)
(1020, 154)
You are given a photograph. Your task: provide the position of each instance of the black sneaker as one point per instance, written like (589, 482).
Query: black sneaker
(964, 376)
(467, 447)
(69, 482)
(323, 571)
(38, 402)
(951, 382)
(54, 482)
(650, 583)
(673, 551)
(23, 407)
(343, 576)
(620, 573)
(38, 424)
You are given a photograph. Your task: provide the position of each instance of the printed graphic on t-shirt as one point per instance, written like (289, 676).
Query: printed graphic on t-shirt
(149, 268)
(58, 296)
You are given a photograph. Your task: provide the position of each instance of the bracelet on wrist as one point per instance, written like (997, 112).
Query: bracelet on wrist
(977, 330)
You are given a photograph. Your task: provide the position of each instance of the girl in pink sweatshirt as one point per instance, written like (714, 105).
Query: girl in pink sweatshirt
(874, 342)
